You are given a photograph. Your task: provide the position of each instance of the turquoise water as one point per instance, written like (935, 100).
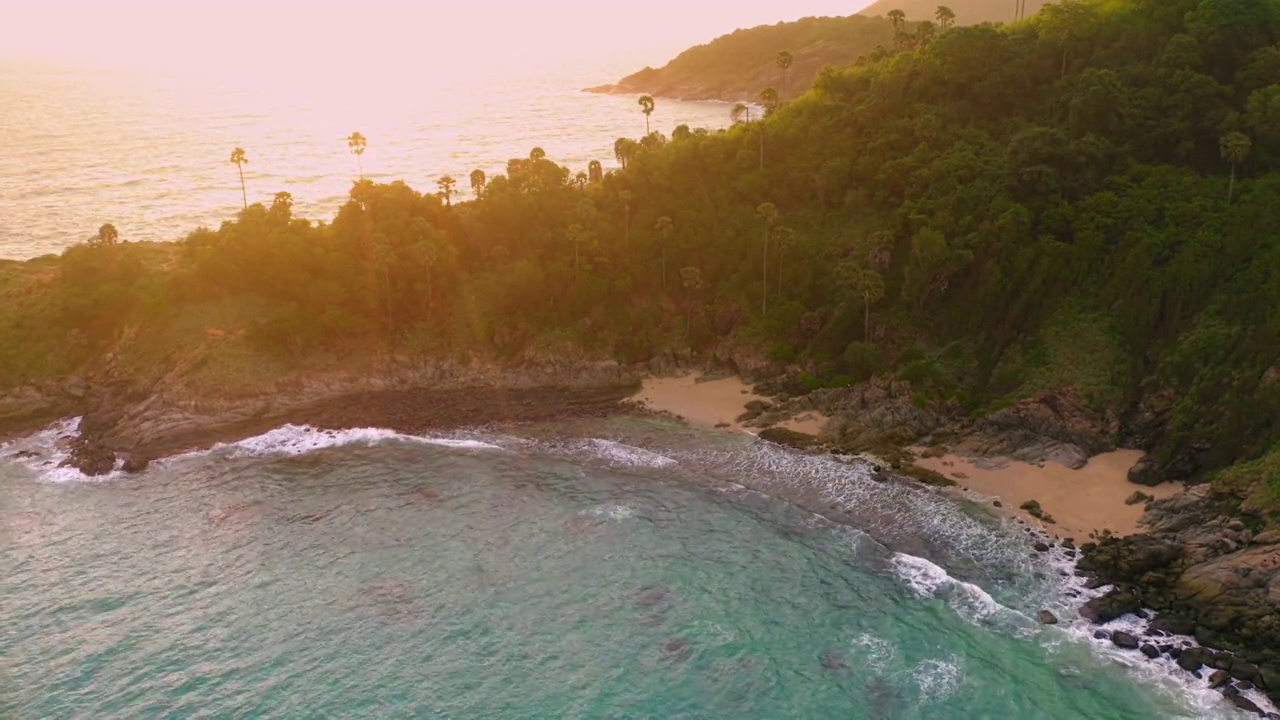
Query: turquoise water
(543, 573)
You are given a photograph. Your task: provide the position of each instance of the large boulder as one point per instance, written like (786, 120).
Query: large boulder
(1115, 604)
(1145, 472)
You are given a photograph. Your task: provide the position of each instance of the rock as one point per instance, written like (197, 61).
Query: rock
(1042, 547)
(1242, 670)
(1102, 610)
(1219, 678)
(1246, 704)
(832, 661)
(1101, 635)
(1150, 651)
(790, 438)
(1138, 498)
(998, 504)
(1145, 472)
(1245, 685)
(1172, 651)
(1048, 618)
(134, 463)
(75, 387)
(91, 459)
(1190, 661)
(1230, 690)
(1069, 543)
(1271, 537)
(1124, 640)
(1222, 660)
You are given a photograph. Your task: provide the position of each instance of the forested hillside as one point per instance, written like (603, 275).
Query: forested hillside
(1086, 200)
(970, 12)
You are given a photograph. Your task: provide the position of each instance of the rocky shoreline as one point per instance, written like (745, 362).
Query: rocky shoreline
(1203, 570)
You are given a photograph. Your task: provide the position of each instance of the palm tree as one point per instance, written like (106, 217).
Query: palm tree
(576, 234)
(624, 149)
(537, 154)
(107, 235)
(782, 237)
(478, 181)
(239, 159)
(356, 143)
(880, 253)
(897, 18)
(446, 185)
(870, 286)
(664, 227)
(768, 215)
(1235, 149)
(646, 106)
(627, 196)
(784, 63)
(282, 204)
(595, 171)
(769, 99)
(691, 280)
(740, 113)
(946, 17)
(580, 180)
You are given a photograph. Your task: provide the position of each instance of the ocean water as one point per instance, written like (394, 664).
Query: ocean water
(149, 151)
(625, 569)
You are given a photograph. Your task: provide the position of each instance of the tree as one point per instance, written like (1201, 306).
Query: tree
(478, 181)
(580, 180)
(595, 172)
(1235, 149)
(740, 113)
(627, 196)
(646, 106)
(898, 19)
(782, 237)
(769, 100)
(870, 286)
(879, 251)
(239, 159)
(691, 281)
(356, 143)
(107, 235)
(446, 185)
(576, 234)
(537, 154)
(784, 61)
(664, 227)
(946, 17)
(282, 205)
(681, 133)
(768, 215)
(625, 149)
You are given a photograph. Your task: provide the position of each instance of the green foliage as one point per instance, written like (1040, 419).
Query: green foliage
(1257, 483)
(1023, 208)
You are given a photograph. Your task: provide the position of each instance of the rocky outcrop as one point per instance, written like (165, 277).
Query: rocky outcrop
(1207, 575)
(1051, 427)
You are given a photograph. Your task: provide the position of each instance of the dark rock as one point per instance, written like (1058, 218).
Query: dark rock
(676, 649)
(1190, 661)
(91, 459)
(1223, 660)
(1124, 640)
(1041, 547)
(833, 661)
(1143, 614)
(1230, 691)
(1145, 472)
(998, 504)
(1219, 678)
(1150, 651)
(1102, 610)
(1172, 651)
(1101, 635)
(135, 463)
(790, 438)
(1246, 685)
(1048, 618)
(1242, 670)
(1246, 704)
(24, 454)
(1069, 543)
(1138, 498)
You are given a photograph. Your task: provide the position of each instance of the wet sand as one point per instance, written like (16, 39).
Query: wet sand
(1080, 501)
(714, 403)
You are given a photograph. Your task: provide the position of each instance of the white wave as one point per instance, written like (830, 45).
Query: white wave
(301, 439)
(877, 651)
(937, 678)
(616, 453)
(970, 602)
(42, 454)
(612, 512)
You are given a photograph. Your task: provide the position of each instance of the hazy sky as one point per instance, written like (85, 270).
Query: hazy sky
(420, 37)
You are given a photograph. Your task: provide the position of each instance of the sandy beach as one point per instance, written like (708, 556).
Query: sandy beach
(714, 403)
(1080, 501)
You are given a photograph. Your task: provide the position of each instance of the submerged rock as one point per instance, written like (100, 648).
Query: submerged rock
(1219, 678)
(1048, 618)
(1151, 651)
(1124, 640)
(833, 661)
(676, 649)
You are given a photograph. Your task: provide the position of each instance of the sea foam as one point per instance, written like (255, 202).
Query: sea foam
(302, 439)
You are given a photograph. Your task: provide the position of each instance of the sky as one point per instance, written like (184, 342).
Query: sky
(459, 36)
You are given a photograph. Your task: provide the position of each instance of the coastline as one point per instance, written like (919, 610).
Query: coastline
(721, 403)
